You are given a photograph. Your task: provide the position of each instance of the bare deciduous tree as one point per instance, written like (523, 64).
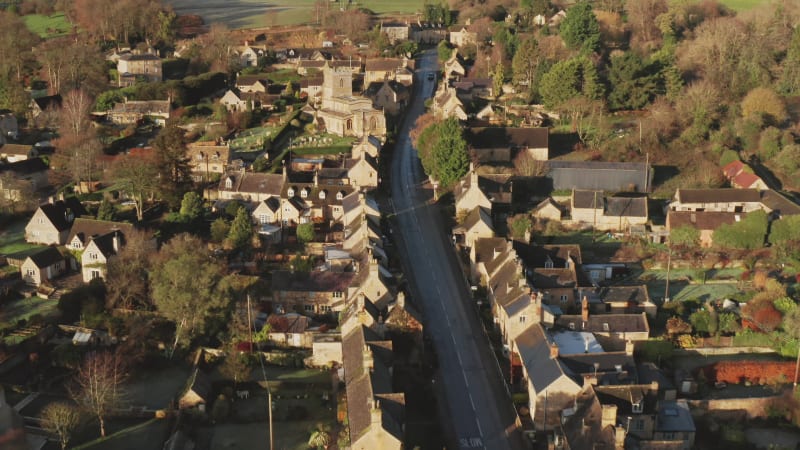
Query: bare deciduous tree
(97, 384)
(61, 419)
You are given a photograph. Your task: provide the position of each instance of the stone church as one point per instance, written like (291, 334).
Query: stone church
(344, 114)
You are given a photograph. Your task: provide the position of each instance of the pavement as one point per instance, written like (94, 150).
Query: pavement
(475, 396)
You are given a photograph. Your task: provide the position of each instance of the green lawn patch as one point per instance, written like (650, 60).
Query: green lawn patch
(742, 5)
(12, 238)
(48, 26)
(283, 76)
(14, 311)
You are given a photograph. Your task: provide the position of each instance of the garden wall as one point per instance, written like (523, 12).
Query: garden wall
(759, 407)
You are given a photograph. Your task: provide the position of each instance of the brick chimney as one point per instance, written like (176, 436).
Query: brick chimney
(629, 347)
(585, 309)
(553, 351)
(115, 241)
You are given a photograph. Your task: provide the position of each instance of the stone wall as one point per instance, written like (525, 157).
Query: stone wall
(757, 407)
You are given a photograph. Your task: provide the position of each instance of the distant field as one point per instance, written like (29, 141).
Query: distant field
(254, 13)
(48, 26)
(742, 5)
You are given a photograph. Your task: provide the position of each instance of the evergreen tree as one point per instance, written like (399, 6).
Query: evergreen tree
(241, 230)
(632, 85)
(106, 210)
(580, 29)
(191, 206)
(172, 163)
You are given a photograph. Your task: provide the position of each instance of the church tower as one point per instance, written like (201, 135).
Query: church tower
(337, 82)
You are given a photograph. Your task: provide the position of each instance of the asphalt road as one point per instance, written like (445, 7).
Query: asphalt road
(477, 402)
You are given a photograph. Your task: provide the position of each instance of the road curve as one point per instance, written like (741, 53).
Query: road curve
(476, 399)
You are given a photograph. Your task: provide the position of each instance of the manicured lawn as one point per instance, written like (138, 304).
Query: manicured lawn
(16, 310)
(12, 238)
(48, 26)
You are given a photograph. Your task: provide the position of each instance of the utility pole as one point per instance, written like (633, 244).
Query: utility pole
(594, 210)
(666, 288)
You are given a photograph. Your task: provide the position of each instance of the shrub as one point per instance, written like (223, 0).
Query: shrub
(756, 372)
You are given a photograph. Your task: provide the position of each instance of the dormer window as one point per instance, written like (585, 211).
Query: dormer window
(637, 407)
(605, 326)
(339, 195)
(303, 193)
(229, 183)
(572, 326)
(322, 195)
(522, 319)
(290, 192)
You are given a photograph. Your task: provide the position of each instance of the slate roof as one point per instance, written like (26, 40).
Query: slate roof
(364, 387)
(479, 214)
(583, 429)
(624, 396)
(631, 294)
(254, 182)
(584, 199)
(722, 195)
(383, 64)
(249, 80)
(517, 138)
(539, 255)
(542, 278)
(702, 220)
(674, 416)
(626, 206)
(139, 57)
(25, 167)
(610, 176)
(617, 323)
(105, 243)
(612, 367)
(57, 212)
(534, 351)
(315, 281)
(777, 202)
(46, 257)
(86, 228)
(142, 107)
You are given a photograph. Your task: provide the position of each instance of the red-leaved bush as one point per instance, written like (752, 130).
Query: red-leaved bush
(756, 372)
(761, 316)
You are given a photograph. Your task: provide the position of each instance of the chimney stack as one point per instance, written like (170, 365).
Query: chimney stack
(553, 351)
(629, 347)
(585, 309)
(609, 416)
(375, 415)
(401, 299)
(115, 241)
(368, 361)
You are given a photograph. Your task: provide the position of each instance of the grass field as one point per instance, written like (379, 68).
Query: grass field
(742, 5)
(48, 26)
(254, 13)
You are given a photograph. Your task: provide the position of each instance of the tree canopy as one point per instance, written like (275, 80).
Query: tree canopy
(748, 233)
(580, 29)
(443, 151)
(186, 286)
